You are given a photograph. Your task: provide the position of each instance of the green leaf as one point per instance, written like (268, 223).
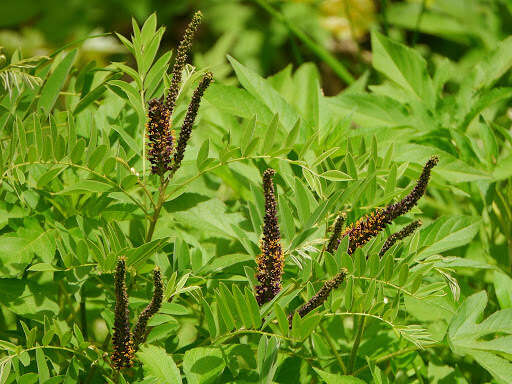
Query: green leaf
(503, 286)
(333, 378)
(404, 66)
(86, 186)
(202, 155)
(43, 267)
(159, 364)
(447, 233)
(42, 367)
(265, 93)
(55, 82)
(203, 365)
(467, 337)
(335, 175)
(97, 156)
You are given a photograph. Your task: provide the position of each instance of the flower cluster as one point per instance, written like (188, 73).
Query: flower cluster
(122, 340)
(161, 141)
(190, 117)
(271, 260)
(402, 234)
(320, 297)
(336, 233)
(125, 343)
(160, 138)
(180, 61)
(368, 227)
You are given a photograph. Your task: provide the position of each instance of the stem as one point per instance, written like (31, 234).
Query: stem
(418, 21)
(83, 318)
(158, 207)
(318, 50)
(357, 341)
(330, 341)
(396, 353)
(383, 6)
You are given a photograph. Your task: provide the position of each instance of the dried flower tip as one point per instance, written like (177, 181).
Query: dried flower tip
(271, 260)
(160, 138)
(181, 59)
(402, 234)
(405, 205)
(139, 332)
(320, 297)
(190, 117)
(122, 342)
(335, 236)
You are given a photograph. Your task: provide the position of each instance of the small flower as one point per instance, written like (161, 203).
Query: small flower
(320, 297)
(190, 117)
(160, 138)
(179, 63)
(271, 260)
(402, 234)
(335, 236)
(139, 332)
(122, 342)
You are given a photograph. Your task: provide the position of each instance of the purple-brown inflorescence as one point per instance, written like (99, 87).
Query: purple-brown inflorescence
(367, 227)
(139, 332)
(180, 61)
(160, 138)
(271, 260)
(335, 236)
(370, 225)
(122, 342)
(320, 297)
(190, 117)
(402, 234)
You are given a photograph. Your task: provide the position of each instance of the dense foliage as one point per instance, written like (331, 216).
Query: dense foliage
(160, 227)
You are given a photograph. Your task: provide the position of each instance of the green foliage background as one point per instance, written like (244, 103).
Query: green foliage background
(346, 130)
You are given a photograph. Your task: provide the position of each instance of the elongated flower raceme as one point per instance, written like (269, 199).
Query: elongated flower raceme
(271, 260)
(122, 342)
(190, 117)
(139, 332)
(367, 227)
(335, 236)
(370, 225)
(160, 138)
(179, 63)
(402, 234)
(320, 297)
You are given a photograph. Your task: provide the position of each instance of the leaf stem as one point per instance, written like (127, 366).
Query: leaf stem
(318, 50)
(397, 353)
(357, 341)
(334, 350)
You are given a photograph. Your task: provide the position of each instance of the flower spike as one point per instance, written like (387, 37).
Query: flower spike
(335, 236)
(160, 138)
(320, 297)
(370, 225)
(271, 260)
(122, 342)
(190, 117)
(181, 59)
(139, 332)
(402, 234)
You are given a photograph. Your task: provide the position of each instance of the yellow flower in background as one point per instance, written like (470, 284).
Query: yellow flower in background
(347, 19)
